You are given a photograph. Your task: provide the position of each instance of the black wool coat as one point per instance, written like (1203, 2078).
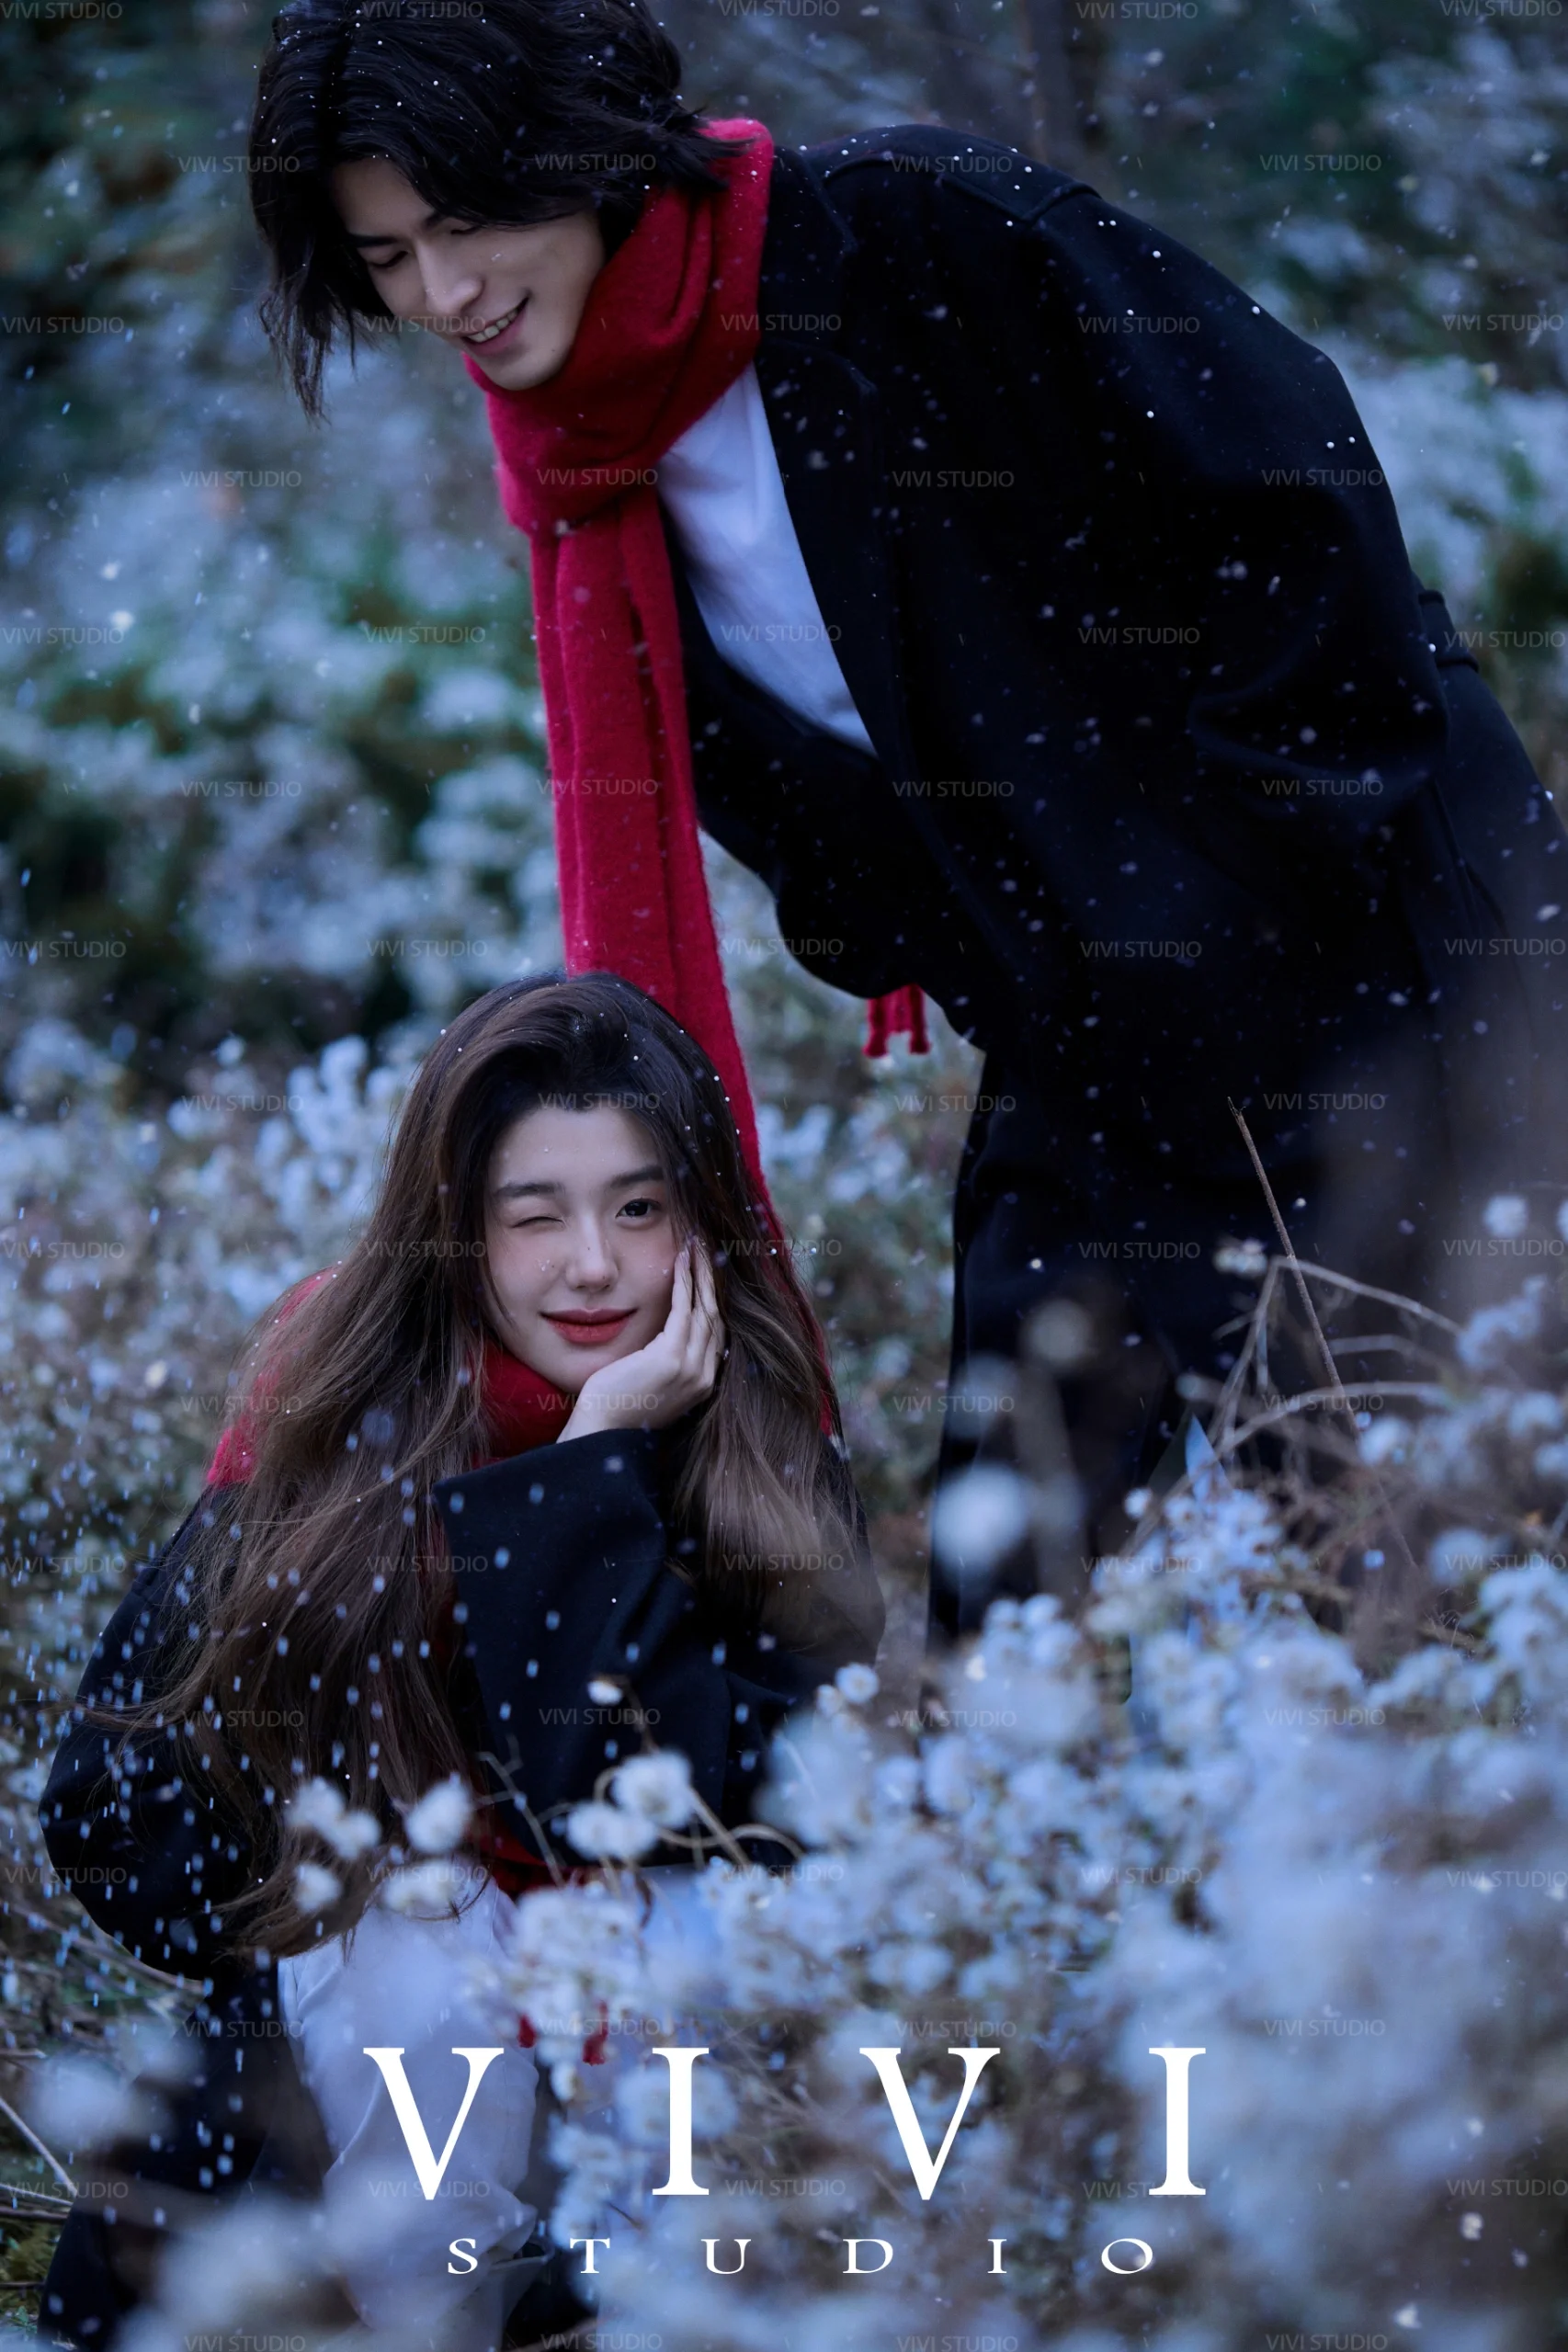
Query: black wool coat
(562, 1570)
(1185, 791)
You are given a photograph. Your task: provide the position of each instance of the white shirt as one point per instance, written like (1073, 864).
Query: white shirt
(723, 489)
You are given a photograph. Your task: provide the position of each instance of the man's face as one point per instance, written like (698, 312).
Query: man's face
(512, 297)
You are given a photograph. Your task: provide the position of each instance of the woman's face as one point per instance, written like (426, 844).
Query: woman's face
(580, 1239)
(512, 297)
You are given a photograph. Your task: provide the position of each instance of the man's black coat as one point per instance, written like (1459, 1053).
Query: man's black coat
(1185, 793)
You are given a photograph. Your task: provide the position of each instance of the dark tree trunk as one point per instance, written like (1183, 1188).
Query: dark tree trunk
(1062, 49)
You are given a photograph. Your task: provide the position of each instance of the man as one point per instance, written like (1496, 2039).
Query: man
(1033, 616)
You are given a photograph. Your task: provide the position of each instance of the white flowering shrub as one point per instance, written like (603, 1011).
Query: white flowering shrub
(1339, 1873)
(1345, 1888)
(1346, 1891)
(1338, 1870)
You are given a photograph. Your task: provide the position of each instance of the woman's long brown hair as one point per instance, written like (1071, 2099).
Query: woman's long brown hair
(318, 1590)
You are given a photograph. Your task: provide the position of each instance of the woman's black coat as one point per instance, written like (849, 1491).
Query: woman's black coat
(561, 1560)
(1185, 793)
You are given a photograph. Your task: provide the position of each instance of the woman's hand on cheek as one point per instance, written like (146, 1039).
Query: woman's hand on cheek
(674, 1372)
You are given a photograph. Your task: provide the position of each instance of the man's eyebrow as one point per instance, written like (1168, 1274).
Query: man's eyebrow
(394, 236)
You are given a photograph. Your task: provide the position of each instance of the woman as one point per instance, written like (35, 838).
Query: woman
(1029, 609)
(559, 1421)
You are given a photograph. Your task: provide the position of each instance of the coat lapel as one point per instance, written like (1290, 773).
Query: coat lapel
(823, 415)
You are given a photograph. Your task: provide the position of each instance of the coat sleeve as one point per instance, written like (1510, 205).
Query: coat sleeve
(1202, 485)
(1259, 522)
(135, 1835)
(560, 1563)
(805, 812)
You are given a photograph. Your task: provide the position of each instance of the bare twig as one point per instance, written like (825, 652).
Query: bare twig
(1355, 1289)
(1289, 1249)
(1284, 1409)
(1352, 1289)
(1289, 1406)
(1254, 1352)
(42, 2200)
(30, 2136)
(536, 1827)
(1455, 1636)
(720, 1834)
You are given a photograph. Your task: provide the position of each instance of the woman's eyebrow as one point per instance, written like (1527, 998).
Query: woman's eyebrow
(651, 1174)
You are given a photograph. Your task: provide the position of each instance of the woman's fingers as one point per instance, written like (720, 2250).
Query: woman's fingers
(707, 1328)
(678, 1323)
(708, 1287)
(679, 1363)
(682, 1359)
(715, 1324)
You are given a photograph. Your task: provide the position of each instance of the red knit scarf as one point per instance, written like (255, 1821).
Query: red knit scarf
(521, 1408)
(670, 322)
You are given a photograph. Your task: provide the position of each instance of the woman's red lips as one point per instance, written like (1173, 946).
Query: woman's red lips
(590, 1330)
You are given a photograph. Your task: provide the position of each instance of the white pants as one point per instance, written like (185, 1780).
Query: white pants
(402, 1983)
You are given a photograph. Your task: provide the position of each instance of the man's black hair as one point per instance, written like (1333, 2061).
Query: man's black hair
(494, 110)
